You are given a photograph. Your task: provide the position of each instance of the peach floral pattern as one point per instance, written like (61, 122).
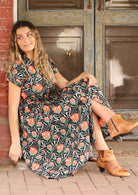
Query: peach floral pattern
(56, 130)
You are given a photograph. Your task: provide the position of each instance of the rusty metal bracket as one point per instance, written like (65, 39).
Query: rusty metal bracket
(100, 5)
(89, 6)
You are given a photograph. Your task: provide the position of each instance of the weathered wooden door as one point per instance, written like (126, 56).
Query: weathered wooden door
(116, 54)
(96, 36)
(66, 28)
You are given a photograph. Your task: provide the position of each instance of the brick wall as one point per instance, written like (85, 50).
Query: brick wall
(6, 22)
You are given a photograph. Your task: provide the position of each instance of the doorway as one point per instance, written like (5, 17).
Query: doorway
(99, 37)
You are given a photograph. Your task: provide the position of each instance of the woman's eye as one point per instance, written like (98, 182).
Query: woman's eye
(19, 37)
(29, 35)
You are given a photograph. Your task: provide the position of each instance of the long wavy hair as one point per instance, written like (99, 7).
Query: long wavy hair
(40, 56)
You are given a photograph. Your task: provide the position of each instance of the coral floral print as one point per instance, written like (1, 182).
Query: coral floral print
(56, 130)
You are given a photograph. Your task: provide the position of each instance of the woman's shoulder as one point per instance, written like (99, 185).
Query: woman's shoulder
(18, 68)
(17, 73)
(18, 64)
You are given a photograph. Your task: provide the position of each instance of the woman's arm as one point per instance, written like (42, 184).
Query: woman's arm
(13, 103)
(62, 82)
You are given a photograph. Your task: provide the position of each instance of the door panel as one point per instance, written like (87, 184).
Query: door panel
(121, 73)
(119, 4)
(55, 4)
(68, 44)
(116, 50)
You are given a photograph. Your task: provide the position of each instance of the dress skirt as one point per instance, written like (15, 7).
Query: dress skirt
(56, 129)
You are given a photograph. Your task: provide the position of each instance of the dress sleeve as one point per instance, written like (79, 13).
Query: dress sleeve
(17, 75)
(53, 66)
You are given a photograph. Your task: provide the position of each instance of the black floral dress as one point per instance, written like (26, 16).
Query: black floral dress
(56, 130)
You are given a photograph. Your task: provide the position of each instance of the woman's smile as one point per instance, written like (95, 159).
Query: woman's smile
(27, 45)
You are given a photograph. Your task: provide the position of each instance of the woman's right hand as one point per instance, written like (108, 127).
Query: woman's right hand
(15, 152)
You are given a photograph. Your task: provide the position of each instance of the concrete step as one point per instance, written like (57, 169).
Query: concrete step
(125, 150)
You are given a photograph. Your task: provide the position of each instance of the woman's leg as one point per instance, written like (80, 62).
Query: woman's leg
(106, 159)
(115, 122)
(100, 142)
(103, 111)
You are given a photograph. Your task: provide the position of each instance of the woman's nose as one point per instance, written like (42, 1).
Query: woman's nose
(25, 39)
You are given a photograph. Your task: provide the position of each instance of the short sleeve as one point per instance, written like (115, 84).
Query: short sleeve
(17, 75)
(53, 65)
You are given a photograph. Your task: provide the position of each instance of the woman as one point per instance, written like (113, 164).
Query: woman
(54, 132)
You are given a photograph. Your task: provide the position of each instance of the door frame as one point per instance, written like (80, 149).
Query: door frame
(15, 10)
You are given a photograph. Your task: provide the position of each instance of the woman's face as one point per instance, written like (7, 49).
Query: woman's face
(25, 40)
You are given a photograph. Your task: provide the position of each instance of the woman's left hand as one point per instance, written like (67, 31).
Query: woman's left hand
(90, 77)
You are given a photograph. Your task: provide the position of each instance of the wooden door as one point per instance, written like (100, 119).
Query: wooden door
(96, 36)
(116, 35)
(66, 28)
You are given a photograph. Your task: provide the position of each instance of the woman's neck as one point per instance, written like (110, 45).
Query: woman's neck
(30, 55)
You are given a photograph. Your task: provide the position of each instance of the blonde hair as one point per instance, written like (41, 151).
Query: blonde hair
(40, 56)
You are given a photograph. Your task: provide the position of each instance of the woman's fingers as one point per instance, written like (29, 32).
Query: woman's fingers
(14, 157)
(20, 155)
(15, 153)
(92, 80)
